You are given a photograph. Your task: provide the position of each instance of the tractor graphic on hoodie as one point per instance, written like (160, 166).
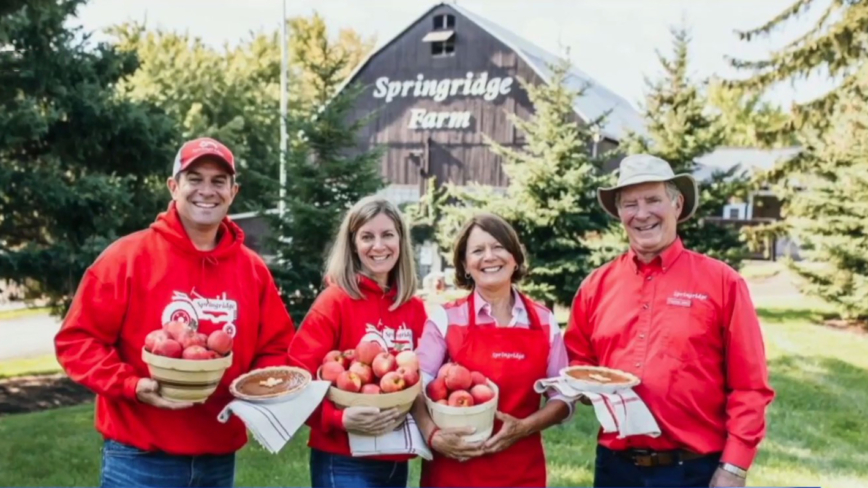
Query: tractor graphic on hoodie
(194, 308)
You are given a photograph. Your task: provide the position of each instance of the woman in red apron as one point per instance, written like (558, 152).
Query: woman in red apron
(514, 342)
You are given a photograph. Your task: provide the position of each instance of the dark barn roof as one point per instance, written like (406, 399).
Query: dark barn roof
(594, 102)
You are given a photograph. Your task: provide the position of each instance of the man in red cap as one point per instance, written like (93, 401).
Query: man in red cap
(190, 266)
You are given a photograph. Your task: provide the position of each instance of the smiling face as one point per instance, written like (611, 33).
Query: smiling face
(203, 193)
(489, 263)
(649, 216)
(378, 246)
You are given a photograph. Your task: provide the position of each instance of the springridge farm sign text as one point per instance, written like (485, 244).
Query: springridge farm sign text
(470, 86)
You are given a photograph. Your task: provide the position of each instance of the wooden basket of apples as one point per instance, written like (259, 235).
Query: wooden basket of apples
(370, 376)
(187, 364)
(459, 397)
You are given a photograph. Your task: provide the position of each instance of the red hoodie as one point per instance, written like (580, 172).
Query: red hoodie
(338, 322)
(144, 280)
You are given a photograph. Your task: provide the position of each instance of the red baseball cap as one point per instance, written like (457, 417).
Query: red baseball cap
(193, 150)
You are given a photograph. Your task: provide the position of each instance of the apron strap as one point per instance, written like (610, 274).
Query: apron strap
(532, 315)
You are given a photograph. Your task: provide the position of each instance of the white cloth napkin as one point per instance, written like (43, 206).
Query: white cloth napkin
(622, 412)
(406, 439)
(274, 424)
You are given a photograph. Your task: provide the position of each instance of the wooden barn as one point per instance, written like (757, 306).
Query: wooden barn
(443, 82)
(450, 77)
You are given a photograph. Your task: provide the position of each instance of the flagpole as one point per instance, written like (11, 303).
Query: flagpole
(284, 65)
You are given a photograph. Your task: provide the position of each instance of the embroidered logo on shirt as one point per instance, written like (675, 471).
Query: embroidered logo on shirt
(679, 302)
(694, 296)
(507, 355)
(194, 308)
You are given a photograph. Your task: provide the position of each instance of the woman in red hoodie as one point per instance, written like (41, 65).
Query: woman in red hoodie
(370, 295)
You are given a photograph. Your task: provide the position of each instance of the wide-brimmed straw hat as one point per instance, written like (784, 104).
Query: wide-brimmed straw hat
(644, 168)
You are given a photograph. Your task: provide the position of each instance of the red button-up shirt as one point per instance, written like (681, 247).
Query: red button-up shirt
(686, 326)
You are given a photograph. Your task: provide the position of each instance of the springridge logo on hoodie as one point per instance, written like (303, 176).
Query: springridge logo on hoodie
(193, 308)
(391, 339)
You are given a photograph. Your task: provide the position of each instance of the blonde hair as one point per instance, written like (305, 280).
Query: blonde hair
(343, 266)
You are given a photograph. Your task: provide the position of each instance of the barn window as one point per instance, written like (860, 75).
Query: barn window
(444, 21)
(442, 38)
(443, 48)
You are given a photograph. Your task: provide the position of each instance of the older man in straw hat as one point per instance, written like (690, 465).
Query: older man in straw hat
(685, 325)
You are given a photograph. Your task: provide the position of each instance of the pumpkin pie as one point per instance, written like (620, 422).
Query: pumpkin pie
(598, 377)
(270, 383)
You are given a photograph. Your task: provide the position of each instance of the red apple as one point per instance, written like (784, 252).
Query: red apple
(176, 329)
(410, 376)
(169, 348)
(384, 363)
(481, 394)
(457, 378)
(363, 371)
(391, 382)
(220, 342)
(154, 337)
(192, 338)
(477, 378)
(196, 352)
(371, 389)
(213, 355)
(437, 390)
(460, 398)
(331, 370)
(335, 356)
(349, 355)
(407, 359)
(441, 373)
(366, 351)
(349, 381)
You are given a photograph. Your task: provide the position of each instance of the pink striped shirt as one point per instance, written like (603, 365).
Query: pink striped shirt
(431, 350)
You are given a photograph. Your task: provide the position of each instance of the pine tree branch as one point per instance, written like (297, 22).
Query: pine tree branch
(794, 10)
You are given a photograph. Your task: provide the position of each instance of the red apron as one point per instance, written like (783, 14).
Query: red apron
(513, 358)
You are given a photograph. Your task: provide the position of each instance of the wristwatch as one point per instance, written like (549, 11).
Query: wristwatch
(731, 468)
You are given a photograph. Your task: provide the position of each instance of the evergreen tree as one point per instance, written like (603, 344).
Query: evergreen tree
(680, 130)
(833, 46)
(79, 165)
(551, 196)
(827, 208)
(823, 189)
(746, 120)
(424, 215)
(326, 174)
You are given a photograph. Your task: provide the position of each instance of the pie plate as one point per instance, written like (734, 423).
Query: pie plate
(598, 379)
(273, 384)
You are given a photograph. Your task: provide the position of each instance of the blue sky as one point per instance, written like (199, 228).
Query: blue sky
(614, 41)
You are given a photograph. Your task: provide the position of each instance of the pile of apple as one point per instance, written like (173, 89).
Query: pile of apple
(178, 340)
(370, 369)
(457, 386)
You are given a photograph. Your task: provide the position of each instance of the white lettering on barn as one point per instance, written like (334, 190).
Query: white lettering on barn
(423, 119)
(439, 90)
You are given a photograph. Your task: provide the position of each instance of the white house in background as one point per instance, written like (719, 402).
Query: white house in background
(762, 206)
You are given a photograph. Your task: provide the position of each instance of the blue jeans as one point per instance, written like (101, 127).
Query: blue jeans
(124, 465)
(613, 470)
(332, 471)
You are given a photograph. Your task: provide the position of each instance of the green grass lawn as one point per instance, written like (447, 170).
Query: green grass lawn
(817, 436)
(45, 364)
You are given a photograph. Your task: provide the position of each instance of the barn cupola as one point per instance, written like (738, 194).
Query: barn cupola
(442, 35)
